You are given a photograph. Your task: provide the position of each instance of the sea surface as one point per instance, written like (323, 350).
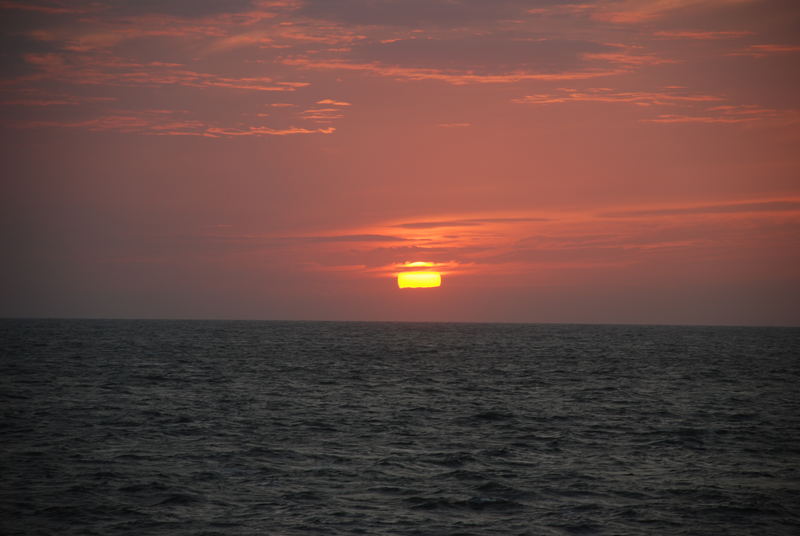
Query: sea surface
(293, 428)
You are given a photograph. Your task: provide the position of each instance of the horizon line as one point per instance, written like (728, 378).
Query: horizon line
(374, 321)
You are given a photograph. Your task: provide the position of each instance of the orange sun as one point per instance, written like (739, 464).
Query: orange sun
(419, 279)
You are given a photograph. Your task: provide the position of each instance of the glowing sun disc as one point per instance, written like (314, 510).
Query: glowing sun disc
(419, 279)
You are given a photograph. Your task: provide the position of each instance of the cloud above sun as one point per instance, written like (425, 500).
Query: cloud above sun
(105, 59)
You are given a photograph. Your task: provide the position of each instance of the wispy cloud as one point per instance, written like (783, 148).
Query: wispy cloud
(639, 11)
(628, 57)
(581, 240)
(567, 8)
(703, 35)
(722, 208)
(105, 71)
(39, 99)
(166, 123)
(332, 102)
(761, 51)
(351, 238)
(492, 58)
(326, 111)
(449, 76)
(49, 8)
(473, 222)
(322, 114)
(264, 131)
(666, 96)
(695, 108)
(413, 13)
(746, 114)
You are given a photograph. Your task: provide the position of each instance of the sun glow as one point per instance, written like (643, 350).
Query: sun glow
(419, 279)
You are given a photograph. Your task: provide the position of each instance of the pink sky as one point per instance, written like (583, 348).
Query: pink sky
(559, 161)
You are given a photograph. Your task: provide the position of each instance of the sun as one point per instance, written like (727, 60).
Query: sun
(419, 279)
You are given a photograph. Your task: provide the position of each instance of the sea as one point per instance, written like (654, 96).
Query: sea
(140, 427)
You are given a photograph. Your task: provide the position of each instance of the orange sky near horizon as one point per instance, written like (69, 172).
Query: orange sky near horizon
(607, 161)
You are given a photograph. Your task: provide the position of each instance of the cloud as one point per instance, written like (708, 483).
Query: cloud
(418, 12)
(233, 42)
(167, 123)
(639, 11)
(322, 114)
(47, 8)
(13, 46)
(695, 108)
(177, 8)
(481, 59)
(333, 102)
(170, 30)
(105, 71)
(731, 114)
(455, 77)
(329, 110)
(147, 121)
(580, 240)
(560, 9)
(760, 51)
(472, 222)
(666, 96)
(703, 35)
(723, 208)
(481, 54)
(352, 238)
(39, 99)
(628, 58)
(264, 131)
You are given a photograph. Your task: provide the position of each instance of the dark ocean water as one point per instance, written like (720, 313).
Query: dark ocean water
(189, 428)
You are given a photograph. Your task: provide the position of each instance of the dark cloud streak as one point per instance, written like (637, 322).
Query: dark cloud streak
(352, 238)
(490, 53)
(419, 12)
(766, 206)
(178, 8)
(464, 223)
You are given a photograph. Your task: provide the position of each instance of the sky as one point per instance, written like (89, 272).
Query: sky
(607, 161)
